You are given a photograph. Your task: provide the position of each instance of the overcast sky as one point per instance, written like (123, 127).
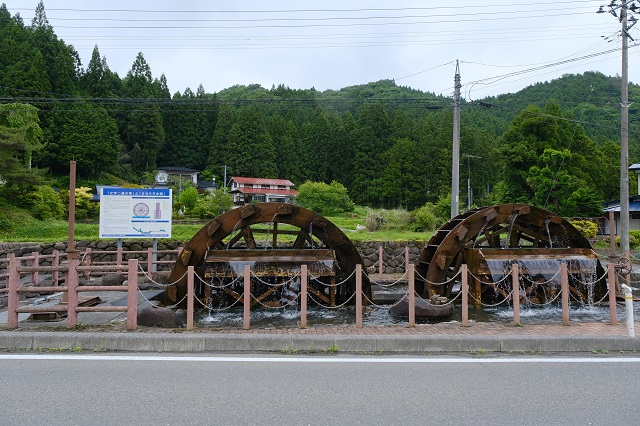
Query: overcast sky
(502, 46)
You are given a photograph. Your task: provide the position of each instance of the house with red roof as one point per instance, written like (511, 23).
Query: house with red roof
(248, 190)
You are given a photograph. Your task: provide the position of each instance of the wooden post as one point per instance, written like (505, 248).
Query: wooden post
(154, 257)
(406, 258)
(564, 282)
(358, 295)
(304, 277)
(190, 301)
(13, 300)
(246, 322)
(611, 277)
(55, 262)
(72, 293)
(465, 295)
(132, 294)
(380, 267)
(515, 296)
(35, 262)
(412, 296)
(119, 252)
(149, 260)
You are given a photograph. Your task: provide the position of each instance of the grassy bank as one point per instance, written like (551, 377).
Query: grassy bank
(17, 226)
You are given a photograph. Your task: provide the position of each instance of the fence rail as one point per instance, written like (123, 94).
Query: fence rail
(29, 265)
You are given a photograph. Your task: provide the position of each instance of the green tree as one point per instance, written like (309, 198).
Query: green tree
(325, 199)
(90, 136)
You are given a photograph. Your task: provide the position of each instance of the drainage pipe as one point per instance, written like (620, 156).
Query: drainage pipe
(628, 305)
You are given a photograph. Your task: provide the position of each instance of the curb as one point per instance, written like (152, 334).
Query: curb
(293, 343)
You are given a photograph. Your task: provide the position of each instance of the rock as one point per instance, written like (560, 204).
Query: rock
(113, 279)
(153, 316)
(423, 309)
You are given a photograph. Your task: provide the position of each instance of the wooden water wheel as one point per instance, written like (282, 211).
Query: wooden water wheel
(276, 238)
(510, 232)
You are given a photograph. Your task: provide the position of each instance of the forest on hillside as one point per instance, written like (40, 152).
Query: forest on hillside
(554, 144)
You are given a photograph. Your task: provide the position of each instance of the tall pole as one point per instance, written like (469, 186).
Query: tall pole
(624, 117)
(455, 158)
(624, 138)
(224, 184)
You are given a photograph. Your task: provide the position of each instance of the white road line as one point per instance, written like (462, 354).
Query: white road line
(307, 359)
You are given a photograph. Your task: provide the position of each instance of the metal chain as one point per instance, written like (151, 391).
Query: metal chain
(525, 277)
(271, 284)
(507, 297)
(382, 306)
(506, 276)
(403, 277)
(291, 302)
(331, 307)
(442, 283)
(216, 309)
(316, 279)
(157, 283)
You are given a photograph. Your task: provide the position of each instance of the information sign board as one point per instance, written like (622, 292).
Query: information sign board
(135, 212)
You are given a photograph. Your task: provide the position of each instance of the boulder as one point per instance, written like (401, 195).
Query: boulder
(153, 316)
(113, 279)
(424, 309)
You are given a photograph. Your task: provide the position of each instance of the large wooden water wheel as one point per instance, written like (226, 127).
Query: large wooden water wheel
(275, 239)
(536, 238)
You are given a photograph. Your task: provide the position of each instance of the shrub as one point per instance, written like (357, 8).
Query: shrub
(213, 204)
(587, 228)
(324, 199)
(45, 203)
(424, 218)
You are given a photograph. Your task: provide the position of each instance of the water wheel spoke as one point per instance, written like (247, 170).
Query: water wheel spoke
(318, 294)
(249, 240)
(303, 236)
(266, 294)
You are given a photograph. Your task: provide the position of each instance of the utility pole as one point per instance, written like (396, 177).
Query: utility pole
(624, 119)
(469, 196)
(455, 157)
(224, 183)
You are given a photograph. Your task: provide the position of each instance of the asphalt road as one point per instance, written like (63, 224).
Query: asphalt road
(98, 389)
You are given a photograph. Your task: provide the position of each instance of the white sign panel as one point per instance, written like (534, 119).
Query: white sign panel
(135, 213)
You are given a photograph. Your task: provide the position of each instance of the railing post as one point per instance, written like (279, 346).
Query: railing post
(380, 267)
(190, 301)
(611, 277)
(303, 296)
(564, 282)
(358, 295)
(149, 260)
(465, 294)
(154, 256)
(132, 294)
(55, 262)
(72, 293)
(246, 320)
(412, 296)
(35, 262)
(406, 258)
(119, 253)
(515, 295)
(13, 299)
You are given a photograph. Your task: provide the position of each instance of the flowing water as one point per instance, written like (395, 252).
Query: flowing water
(289, 317)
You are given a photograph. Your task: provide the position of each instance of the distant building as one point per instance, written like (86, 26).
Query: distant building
(167, 175)
(247, 190)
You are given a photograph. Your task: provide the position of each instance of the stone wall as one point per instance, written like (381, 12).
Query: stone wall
(392, 257)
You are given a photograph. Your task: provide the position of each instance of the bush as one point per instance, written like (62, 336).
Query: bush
(189, 198)
(213, 204)
(587, 228)
(45, 203)
(85, 208)
(324, 199)
(424, 218)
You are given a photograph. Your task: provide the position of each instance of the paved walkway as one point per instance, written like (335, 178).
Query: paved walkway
(423, 339)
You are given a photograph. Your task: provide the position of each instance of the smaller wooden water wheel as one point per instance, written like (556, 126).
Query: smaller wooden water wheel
(490, 239)
(275, 239)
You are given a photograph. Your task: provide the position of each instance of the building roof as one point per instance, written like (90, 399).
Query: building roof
(265, 191)
(262, 181)
(178, 169)
(634, 204)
